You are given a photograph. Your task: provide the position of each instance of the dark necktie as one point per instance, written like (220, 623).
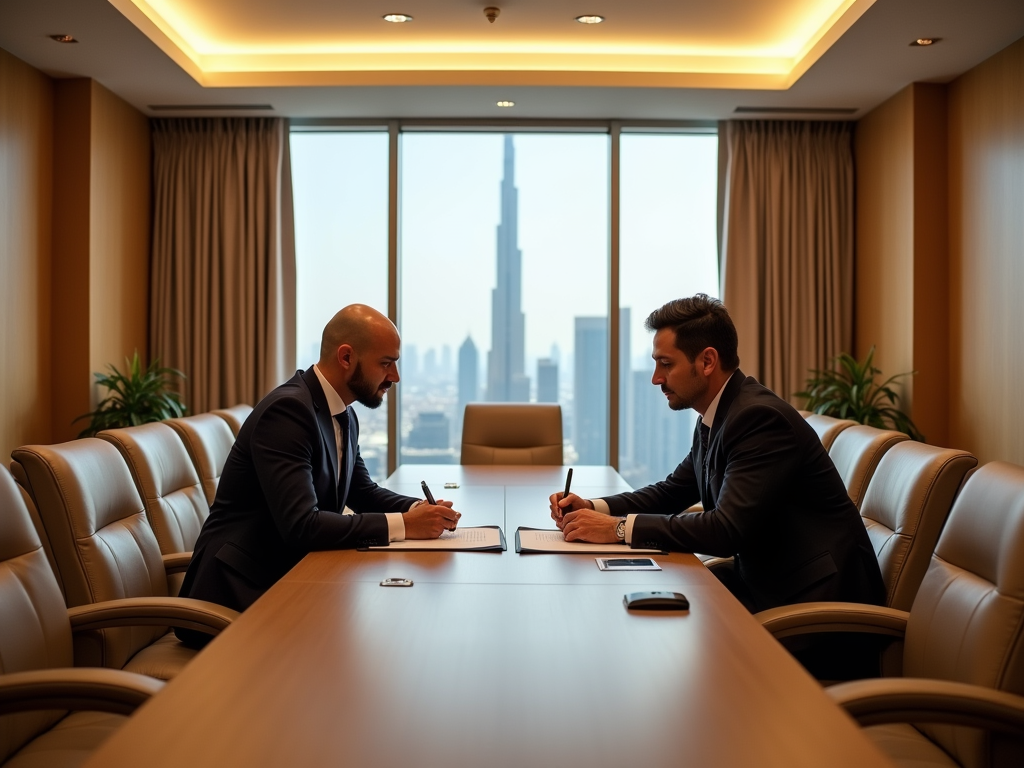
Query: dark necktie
(705, 437)
(343, 422)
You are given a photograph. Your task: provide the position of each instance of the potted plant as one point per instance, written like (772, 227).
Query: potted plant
(849, 391)
(139, 396)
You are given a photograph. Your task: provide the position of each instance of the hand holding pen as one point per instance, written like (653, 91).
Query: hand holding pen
(430, 500)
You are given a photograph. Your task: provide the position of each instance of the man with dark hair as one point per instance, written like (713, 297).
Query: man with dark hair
(295, 467)
(772, 497)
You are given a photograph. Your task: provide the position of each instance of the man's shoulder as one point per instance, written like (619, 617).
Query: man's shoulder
(755, 402)
(292, 396)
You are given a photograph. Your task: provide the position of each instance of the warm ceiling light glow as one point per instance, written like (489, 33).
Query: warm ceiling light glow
(590, 19)
(924, 41)
(397, 18)
(506, 103)
(63, 38)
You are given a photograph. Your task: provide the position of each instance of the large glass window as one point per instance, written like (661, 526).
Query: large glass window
(668, 250)
(504, 284)
(340, 187)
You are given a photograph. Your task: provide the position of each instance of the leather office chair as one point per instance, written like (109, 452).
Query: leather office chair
(235, 416)
(963, 657)
(828, 427)
(105, 549)
(208, 440)
(37, 684)
(856, 452)
(904, 508)
(512, 433)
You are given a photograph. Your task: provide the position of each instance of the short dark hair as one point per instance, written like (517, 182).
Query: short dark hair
(699, 322)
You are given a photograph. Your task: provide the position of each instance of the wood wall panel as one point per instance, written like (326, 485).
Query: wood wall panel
(26, 153)
(986, 138)
(119, 231)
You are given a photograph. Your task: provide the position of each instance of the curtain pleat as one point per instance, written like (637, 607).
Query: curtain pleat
(223, 259)
(787, 246)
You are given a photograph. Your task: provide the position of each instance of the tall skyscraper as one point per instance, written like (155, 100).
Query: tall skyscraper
(590, 401)
(506, 379)
(469, 384)
(661, 436)
(547, 380)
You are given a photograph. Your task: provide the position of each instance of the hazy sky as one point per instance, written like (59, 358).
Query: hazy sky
(450, 208)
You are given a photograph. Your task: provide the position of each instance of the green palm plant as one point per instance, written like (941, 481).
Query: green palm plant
(139, 396)
(849, 391)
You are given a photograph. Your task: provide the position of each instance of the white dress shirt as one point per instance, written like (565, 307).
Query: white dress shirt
(600, 505)
(396, 522)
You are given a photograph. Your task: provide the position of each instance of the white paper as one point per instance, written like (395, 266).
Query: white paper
(554, 541)
(460, 538)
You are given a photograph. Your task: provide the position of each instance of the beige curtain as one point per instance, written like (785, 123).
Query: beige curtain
(222, 285)
(787, 246)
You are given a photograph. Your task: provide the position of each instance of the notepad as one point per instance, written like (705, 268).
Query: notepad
(536, 540)
(481, 538)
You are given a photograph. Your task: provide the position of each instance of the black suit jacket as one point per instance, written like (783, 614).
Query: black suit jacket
(772, 498)
(279, 498)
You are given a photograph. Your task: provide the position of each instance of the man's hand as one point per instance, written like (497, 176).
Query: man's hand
(587, 525)
(428, 521)
(562, 506)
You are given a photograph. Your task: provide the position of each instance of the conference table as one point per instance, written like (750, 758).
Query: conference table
(490, 658)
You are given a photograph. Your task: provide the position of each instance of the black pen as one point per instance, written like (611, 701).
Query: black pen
(568, 482)
(427, 493)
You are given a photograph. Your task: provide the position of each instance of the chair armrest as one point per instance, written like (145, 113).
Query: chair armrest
(177, 562)
(185, 612)
(811, 618)
(93, 689)
(918, 700)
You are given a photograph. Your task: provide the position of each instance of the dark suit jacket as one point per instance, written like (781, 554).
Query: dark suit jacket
(279, 498)
(772, 498)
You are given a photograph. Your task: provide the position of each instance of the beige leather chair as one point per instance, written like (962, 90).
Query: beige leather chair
(828, 427)
(37, 684)
(166, 478)
(904, 508)
(235, 416)
(105, 549)
(512, 433)
(963, 657)
(856, 452)
(208, 440)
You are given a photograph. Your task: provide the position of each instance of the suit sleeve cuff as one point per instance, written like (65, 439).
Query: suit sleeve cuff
(396, 526)
(630, 519)
(600, 505)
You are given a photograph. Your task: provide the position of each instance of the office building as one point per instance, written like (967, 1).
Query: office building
(506, 379)
(590, 390)
(430, 430)
(547, 380)
(469, 381)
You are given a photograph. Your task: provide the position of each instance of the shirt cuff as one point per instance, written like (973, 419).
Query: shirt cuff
(396, 526)
(600, 505)
(630, 519)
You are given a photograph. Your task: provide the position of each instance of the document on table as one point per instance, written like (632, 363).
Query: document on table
(535, 540)
(483, 538)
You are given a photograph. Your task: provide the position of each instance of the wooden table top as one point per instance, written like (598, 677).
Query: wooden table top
(490, 658)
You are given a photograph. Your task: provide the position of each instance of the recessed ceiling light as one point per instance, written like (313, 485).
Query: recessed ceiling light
(924, 41)
(590, 19)
(506, 103)
(397, 18)
(63, 38)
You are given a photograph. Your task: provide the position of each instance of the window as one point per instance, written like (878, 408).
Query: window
(503, 278)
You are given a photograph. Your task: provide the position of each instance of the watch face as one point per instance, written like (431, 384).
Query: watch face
(620, 529)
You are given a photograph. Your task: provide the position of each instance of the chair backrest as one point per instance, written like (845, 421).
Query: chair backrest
(208, 440)
(235, 416)
(101, 540)
(904, 508)
(512, 433)
(856, 452)
(174, 498)
(828, 427)
(967, 623)
(34, 628)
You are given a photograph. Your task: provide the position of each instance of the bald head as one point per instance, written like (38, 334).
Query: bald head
(359, 326)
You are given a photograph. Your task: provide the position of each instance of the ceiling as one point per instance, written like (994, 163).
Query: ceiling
(650, 60)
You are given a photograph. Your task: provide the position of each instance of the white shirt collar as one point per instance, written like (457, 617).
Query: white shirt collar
(334, 401)
(708, 418)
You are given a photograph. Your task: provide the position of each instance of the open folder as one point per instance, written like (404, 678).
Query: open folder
(482, 538)
(536, 540)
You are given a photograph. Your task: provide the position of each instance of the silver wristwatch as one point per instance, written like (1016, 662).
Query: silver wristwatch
(620, 530)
